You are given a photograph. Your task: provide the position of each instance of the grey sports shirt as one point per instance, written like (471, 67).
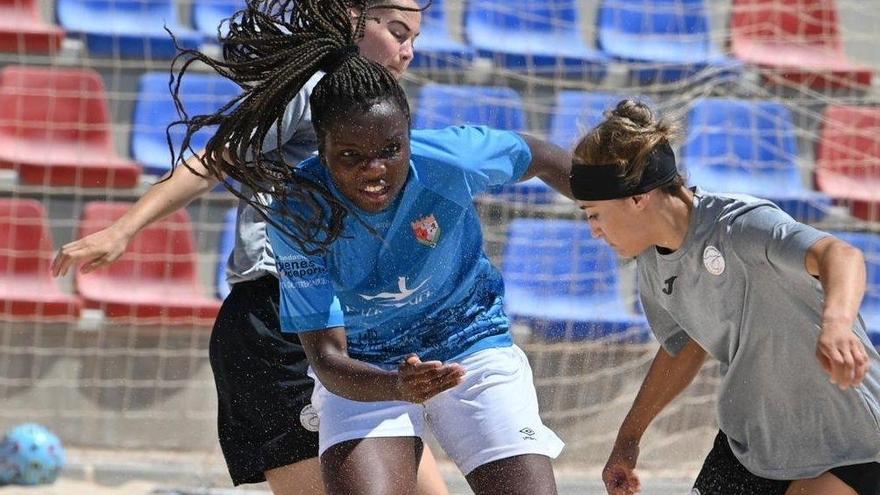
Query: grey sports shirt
(738, 286)
(252, 256)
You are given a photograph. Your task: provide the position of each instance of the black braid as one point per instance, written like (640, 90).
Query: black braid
(271, 50)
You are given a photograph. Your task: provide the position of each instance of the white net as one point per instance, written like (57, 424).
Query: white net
(776, 98)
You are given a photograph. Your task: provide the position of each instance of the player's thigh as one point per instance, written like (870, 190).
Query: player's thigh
(300, 478)
(493, 414)
(430, 480)
(826, 484)
(529, 474)
(372, 466)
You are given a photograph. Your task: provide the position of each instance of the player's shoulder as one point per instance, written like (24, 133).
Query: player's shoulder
(730, 208)
(459, 140)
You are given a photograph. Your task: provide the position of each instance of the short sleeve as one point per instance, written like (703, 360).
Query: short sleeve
(487, 157)
(671, 336)
(767, 233)
(294, 113)
(308, 300)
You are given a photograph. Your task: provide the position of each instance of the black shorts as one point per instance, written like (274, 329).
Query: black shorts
(265, 419)
(722, 474)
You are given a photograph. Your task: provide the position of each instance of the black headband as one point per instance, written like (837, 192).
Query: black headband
(338, 57)
(601, 182)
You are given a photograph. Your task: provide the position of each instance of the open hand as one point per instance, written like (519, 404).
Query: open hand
(418, 381)
(95, 250)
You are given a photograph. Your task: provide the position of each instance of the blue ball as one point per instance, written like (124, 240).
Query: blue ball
(30, 454)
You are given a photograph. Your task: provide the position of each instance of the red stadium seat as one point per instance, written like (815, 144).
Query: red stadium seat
(795, 41)
(848, 158)
(155, 281)
(55, 129)
(27, 289)
(23, 30)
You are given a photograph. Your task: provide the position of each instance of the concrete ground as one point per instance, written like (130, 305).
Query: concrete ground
(144, 473)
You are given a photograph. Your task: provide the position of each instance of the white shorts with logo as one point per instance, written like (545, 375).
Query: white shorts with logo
(492, 415)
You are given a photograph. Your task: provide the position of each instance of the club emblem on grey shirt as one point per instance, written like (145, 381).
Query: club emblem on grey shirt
(713, 261)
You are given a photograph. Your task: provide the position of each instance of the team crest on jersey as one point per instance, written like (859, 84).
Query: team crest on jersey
(427, 230)
(713, 260)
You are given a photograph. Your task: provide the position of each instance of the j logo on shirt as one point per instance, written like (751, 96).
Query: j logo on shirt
(669, 281)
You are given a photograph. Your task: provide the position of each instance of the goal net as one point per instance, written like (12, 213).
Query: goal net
(775, 98)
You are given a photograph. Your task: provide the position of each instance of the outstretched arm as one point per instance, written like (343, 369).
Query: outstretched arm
(550, 163)
(666, 379)
(162, 199)
(841, 271)
(414, 381)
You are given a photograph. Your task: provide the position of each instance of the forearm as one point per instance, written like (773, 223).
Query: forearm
(666, 379)
(842, 275)
(550, 163)
(354, 379)
(166, 197)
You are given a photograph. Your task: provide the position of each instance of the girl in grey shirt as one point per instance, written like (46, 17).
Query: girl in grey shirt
(774, 300)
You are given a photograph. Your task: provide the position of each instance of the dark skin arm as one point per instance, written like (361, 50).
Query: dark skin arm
(550, 163)
(414, 380)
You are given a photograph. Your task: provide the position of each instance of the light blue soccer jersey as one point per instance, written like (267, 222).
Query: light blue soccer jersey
(424, 285)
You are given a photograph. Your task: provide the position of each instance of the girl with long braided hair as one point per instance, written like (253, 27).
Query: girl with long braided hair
(266, 423)
(378, 248)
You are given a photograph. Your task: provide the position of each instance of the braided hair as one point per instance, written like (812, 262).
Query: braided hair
(271, 50)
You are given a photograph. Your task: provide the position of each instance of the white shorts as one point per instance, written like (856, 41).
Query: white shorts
(492, 415)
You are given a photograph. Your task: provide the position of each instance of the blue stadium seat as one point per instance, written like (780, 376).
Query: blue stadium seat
(564, 284)
(225, 247)
(663, 40)
(576, 112)
(442, 105)
(436, 48)
(207, 15)
(749, 147)
(870, 310)
(126, 28)
(540, 36)
(154, 110)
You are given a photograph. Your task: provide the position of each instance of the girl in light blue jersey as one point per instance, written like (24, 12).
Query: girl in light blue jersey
(379, 251)
(266, 424)
(774, 300)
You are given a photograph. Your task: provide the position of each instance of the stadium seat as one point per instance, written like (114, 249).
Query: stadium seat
(154, 110)
(226, 246)
(442, 105)
(436, 48)
(662, 40)
(848, 158)
(23, 30)
(208, 14)
(55, 129)
(564, 284)
(870, 245)
(126, 28)
(576, 112)
(742, 146)
(27, 289)
(155, 281)
(795, 42)
(537, 36)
